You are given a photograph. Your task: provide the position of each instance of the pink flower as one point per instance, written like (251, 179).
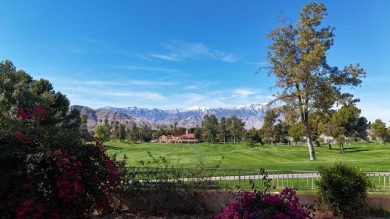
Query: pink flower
(20, 113)
(39, 111)
(23, 137)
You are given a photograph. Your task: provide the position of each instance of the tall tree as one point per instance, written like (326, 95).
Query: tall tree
(222, 130)
(198, 133)
(83, 127)
(102, 132)
(119, 132)
(268, 127)
(133, 133)
(379, 130)
(361, 128)
(298, 60)
(210, 127)
(253, 136)
(346, 119)
(236, 128)
(19, 90)
(295, 132)
(145, 134)
(281, 132)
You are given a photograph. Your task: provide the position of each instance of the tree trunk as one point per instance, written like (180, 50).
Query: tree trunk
(312, 152)
(330, 146)
(305, 122)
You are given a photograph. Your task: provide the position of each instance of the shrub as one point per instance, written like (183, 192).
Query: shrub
(344, 190)
(49, 178)
(263, 204)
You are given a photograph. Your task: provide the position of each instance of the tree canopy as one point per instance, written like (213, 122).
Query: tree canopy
(297, 57)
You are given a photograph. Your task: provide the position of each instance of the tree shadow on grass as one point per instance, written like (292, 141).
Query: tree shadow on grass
(113, 147)
(354, 149)
(349, 149)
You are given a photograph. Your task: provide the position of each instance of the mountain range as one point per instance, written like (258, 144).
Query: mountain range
(252, 115)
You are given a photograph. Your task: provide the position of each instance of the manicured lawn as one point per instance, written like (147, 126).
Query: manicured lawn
(367, 156)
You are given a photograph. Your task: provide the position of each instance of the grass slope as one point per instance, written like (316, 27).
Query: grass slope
(367, 156)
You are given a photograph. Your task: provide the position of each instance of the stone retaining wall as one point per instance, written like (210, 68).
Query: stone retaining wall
(208, 201)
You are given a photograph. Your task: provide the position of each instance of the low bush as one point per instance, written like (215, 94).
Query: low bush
(263, 204)
(344, 190)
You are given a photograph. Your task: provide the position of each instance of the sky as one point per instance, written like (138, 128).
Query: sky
(183, 53)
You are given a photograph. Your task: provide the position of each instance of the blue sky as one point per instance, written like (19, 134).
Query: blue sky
(182, 53)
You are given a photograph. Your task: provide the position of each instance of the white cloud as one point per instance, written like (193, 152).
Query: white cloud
(190, 97)
(191, 87)
(125, 83)
(198, 85)
(152, 83)
(145, 68)
(154, 96)
(181, 50)
(243, 93)
(167, 57)
(98, 83)
(228, 57)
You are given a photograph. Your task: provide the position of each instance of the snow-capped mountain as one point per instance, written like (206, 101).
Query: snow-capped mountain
(252, 114)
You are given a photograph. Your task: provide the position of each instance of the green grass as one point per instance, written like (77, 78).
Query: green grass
(367, 156)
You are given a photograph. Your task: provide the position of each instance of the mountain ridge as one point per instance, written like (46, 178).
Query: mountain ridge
(251, 114)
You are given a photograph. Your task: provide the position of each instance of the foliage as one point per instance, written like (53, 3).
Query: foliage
(119, 131)
(210, 128)
(263, 204)
(254, 136)
(18, 90)
(379, 130)
(46, 171)
(268, 128)
(297, 58)
(235, 127)
(85, 134)
(345, 121)
(281, 131)
(102, 132)
(361, 128)
(223, 132)
(198, 133)
(67, 178)
(296, 131)
(344, 190)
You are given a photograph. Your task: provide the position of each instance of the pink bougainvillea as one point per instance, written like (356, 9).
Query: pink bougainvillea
(58, 180)
(38, 112)
(284, 205)
(22, 137)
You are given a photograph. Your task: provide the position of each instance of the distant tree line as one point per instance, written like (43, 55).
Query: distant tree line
(281, 126)
(115, 130)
